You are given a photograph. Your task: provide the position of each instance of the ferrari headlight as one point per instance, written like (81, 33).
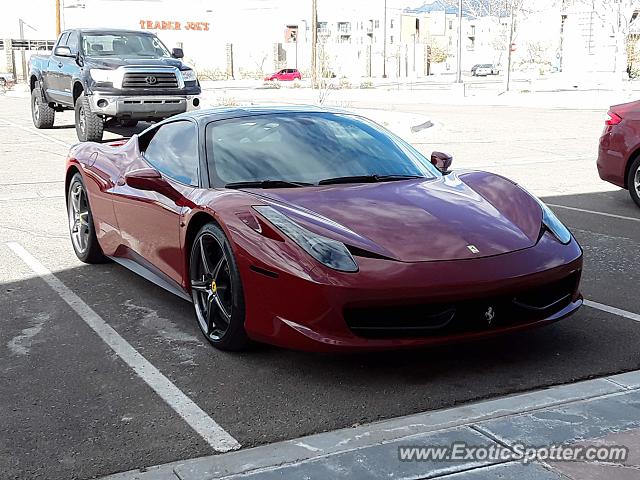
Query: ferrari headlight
(189, 75)
(554, 225)
(329, 252)
(99, 75)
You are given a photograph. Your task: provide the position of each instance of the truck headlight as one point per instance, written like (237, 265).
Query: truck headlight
(189, 75)
(331, 253)
(102, 76)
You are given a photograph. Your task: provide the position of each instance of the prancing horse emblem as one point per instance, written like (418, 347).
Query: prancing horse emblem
(489, 315)
(473, 248)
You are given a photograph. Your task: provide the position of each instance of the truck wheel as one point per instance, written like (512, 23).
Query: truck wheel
(89, 126)
(42, 114)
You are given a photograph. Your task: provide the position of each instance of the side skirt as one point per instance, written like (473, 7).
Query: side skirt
(147, 274)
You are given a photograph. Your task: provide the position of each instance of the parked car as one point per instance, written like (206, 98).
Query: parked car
(319, 230)
(7, 79)
(286, 74)
(619, 151)
(482, 70)
(105, 74)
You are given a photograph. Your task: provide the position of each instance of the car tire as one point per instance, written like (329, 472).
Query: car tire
(216, 290)
(42, 114)
(81, 227)
(633, 181)
(89, 126)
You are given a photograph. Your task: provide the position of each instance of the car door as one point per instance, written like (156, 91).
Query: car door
(52, 76)
(149, 220)
(68, 66)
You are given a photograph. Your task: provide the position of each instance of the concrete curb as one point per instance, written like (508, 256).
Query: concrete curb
(329, 446)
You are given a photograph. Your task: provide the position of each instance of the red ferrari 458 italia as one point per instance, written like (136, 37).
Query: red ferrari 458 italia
(319, 230)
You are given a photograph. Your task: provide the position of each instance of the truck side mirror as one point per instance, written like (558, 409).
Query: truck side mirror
(177, 53)
(63, 52)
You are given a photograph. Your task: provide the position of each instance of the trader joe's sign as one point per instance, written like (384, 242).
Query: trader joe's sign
(173, 25)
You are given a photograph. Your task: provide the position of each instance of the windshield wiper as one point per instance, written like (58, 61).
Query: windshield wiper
(367, 179)
(267, 184)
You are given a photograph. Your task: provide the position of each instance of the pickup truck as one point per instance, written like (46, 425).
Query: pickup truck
(116, 76)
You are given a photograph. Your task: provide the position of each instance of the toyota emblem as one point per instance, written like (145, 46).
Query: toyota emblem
(151, 80)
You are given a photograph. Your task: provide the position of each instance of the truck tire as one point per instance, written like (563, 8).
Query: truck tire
(89, 126)
(42, 114)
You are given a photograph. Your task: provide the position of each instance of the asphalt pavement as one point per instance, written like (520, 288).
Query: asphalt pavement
(74, 409)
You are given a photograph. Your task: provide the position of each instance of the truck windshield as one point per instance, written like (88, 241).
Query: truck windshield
(123, 45)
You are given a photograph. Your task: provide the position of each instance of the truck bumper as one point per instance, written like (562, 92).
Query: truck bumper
(144, 107)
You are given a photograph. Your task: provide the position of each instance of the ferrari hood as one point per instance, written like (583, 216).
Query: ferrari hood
(453, 217)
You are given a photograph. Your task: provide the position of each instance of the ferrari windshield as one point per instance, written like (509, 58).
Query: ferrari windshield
(308, 148)
(126, 44)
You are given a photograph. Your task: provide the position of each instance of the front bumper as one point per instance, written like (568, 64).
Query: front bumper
(307, 314)
(142, 107)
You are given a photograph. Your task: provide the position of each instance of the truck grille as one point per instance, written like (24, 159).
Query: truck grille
(149, 80)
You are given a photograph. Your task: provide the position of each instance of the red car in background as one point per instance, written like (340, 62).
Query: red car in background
(284, 75)
(619, 152)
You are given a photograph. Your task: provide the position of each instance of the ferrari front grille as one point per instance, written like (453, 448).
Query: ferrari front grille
(426, 320)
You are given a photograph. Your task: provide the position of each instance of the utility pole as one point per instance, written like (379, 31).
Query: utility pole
(384, 45)
(57, 18)
(314, 43)
(459, 73)
(510, 47)
(24, 61)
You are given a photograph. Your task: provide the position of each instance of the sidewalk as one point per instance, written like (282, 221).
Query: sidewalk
(602, 412)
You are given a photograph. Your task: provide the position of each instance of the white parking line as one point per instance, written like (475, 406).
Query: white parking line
(35, 132)
(614, 310)
(612, 215)
(197, 419)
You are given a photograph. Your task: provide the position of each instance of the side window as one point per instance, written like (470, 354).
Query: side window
(62, 41)
(72, 42)
(173, 151)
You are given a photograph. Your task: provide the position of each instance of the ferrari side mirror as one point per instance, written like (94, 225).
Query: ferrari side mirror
(442, 161)
(146, 179)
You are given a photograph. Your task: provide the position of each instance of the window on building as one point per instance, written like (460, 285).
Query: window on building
(391, 23)
(377, 24)
(450, 41)
(391, 39)
(450, 24)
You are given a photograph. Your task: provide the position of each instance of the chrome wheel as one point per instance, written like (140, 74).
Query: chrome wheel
(211, 286)
(79, 217)
(636, 181)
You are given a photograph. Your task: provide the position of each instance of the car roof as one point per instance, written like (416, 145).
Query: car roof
(224, 113)
(108, 30)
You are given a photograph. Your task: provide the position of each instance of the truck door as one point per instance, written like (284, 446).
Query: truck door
(69, 67)
(56, 85)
